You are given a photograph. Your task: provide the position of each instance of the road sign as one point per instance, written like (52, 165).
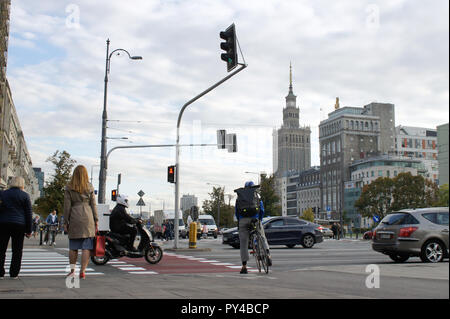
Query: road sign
(140, 202)
(376, 219)
(328, 209)
(141, 193)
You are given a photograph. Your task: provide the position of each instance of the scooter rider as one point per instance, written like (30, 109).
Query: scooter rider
(122, 223)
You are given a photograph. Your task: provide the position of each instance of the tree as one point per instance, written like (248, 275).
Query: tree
(210, 206)
(54, 189)
(308, 215)
(443, 196)
(376, 198)
(269, 196)
(413, 192)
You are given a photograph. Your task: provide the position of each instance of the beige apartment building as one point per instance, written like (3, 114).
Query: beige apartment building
(15, 160)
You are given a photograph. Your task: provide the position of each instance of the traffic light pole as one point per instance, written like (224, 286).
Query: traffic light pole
(177, 151)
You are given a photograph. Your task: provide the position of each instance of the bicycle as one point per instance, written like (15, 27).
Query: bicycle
(259, 251)
(51, 230)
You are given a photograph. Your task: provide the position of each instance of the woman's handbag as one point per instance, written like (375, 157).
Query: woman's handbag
(99, 245)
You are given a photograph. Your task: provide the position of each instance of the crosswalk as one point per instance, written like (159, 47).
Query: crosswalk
(42, 262)
(45, 262)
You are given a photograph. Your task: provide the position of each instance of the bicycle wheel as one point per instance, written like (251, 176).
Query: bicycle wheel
(255, 248)
(263, 254)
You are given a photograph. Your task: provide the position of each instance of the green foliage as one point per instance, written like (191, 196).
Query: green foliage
(443, 196)
(210, 207)
(376, 198)
(413, 192)
(308, 215)
(269, 196)
(385, 195)
(54, 189)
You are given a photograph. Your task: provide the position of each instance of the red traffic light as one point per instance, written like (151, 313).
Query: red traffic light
(171, 174)
(114, 195)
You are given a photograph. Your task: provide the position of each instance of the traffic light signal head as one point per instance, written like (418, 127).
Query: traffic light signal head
(229, 46)
(114, 195)
(171, 174)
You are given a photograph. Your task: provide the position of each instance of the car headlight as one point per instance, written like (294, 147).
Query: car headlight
(235, 233)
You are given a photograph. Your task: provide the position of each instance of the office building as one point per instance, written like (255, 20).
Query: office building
(442, 141)
(419, 143)
(349, 134)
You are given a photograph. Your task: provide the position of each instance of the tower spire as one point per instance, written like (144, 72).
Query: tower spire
(290, 76)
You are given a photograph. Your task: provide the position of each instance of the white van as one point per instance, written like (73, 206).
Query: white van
(210, 223)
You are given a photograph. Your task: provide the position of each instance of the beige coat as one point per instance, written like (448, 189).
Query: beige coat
(80, 213)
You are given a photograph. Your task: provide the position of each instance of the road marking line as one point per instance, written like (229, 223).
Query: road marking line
(222, 264)
(143, 272)
(132, 268)
(209, 261)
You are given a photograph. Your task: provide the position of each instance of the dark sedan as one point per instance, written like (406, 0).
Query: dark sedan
(288, 231)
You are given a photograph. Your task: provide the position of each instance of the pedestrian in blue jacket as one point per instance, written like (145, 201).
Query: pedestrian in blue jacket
(15, 223)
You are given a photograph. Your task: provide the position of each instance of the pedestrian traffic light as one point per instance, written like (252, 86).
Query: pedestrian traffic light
(114, 195)
(171, 174)
(231, 57)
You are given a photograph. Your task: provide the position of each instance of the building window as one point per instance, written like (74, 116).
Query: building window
(380, 173)
(372, 174)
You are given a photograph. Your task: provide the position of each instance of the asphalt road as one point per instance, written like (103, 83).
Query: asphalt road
(330, 270)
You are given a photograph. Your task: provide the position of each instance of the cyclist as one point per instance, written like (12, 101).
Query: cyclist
(52, 226)
(248, 208)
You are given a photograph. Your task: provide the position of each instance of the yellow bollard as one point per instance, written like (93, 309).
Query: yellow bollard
(193, 235)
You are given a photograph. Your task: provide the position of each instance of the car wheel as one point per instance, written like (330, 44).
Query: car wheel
(290, 246)
(432, 251)
(308, 241)
(399, 258)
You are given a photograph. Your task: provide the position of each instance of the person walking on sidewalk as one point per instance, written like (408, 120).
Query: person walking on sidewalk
(15, 223)
(80, 218)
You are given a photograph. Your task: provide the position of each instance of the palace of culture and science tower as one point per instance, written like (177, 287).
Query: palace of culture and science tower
(291, 143)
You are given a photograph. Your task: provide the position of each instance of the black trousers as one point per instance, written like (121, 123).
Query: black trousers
(17, 233)
(124, 230)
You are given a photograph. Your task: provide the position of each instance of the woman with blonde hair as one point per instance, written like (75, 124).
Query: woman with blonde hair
(80, 218)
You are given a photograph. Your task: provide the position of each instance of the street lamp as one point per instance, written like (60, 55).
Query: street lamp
(102, 175)
(218, 204)
(259, 175)
(92, 173)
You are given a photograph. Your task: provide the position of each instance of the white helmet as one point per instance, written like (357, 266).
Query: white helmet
(122, 200)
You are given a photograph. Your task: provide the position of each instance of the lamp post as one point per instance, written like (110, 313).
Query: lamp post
(259, 175)
(92, 173)
(102, 175)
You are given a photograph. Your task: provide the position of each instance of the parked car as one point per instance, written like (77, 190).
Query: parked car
(326, 231)
(420, 233)
(288, 231)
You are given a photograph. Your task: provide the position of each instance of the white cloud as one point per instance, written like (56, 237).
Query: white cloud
(333, 49)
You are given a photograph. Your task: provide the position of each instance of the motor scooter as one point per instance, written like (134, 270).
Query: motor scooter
(115, 247)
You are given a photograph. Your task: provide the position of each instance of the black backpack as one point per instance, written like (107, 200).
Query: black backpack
(247, 201)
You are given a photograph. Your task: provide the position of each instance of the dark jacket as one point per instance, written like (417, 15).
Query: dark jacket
(119, 218)
(15, 208)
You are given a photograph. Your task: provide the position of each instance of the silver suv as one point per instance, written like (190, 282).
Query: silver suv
(413, 232)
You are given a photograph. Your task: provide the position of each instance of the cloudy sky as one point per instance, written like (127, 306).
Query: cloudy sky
(391, 51)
